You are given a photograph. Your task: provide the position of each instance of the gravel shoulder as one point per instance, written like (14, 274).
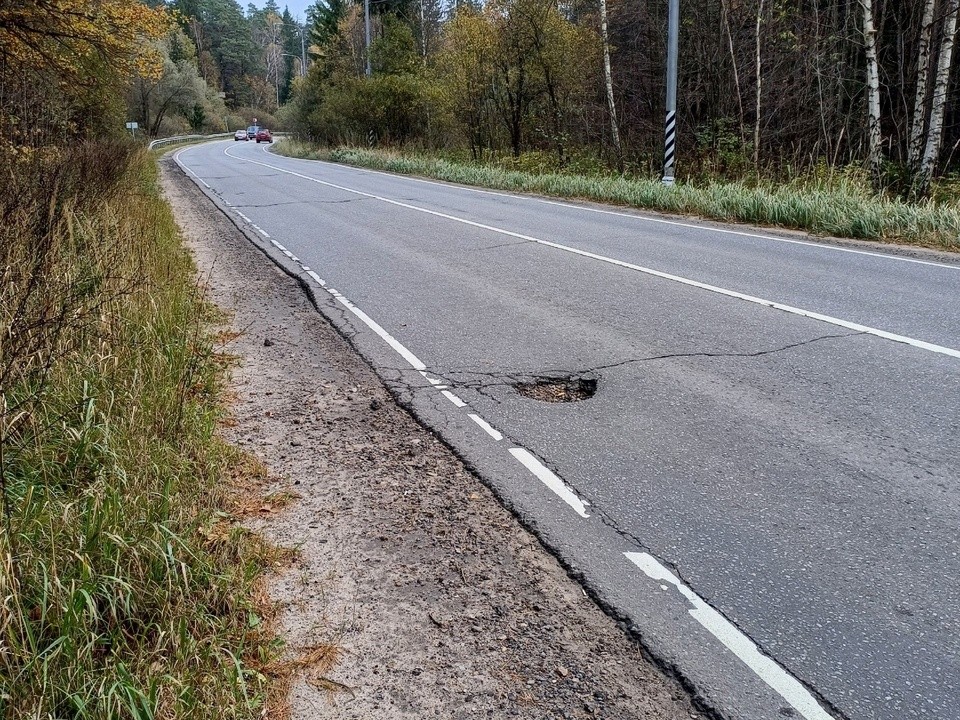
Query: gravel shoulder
(439, 602)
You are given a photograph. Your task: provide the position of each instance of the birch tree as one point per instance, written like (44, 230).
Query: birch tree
(935, 131)
(921, 98)
(608, 81)
(874, 136)
(759, 96)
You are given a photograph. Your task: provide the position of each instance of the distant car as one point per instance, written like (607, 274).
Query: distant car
(240, 135)
(264, 136)
(252, 132)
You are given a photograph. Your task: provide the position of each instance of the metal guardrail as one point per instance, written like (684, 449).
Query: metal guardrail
(181, 138)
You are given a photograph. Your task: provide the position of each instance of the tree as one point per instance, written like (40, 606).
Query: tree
(324, 18)
(874, 136)
(64, 35)
(178, 89)
(608, 86)
(467, 70)
(931, 152)
(72, 60)
(915, 145)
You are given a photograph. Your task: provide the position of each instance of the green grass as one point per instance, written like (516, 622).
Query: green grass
(831, 204)
(124, 585)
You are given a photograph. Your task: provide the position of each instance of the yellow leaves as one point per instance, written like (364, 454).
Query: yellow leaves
(67, 35)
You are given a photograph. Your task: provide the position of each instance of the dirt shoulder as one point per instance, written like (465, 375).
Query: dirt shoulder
(440, 603)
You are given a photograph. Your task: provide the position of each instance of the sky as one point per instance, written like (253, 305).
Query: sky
(298, 8)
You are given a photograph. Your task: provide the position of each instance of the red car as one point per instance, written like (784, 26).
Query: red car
(263, 135)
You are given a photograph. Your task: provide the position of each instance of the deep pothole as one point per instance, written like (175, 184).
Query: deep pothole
(558, 389)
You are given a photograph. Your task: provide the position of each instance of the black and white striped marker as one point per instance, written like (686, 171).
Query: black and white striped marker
(670, 147)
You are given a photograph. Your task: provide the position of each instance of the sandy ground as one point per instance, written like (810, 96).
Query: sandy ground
(441, 604)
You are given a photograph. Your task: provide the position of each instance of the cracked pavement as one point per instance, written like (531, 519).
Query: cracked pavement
(801, 478)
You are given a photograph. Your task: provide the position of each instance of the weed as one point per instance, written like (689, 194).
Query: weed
(120, 595)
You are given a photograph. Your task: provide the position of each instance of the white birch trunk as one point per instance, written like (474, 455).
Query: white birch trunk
(935, 133)
(608, 79)
(874, 137)
(756, 127)
(921, 99)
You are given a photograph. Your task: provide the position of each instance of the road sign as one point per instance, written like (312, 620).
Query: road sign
(132, 126)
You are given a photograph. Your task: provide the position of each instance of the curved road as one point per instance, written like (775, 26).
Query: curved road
(764, 486)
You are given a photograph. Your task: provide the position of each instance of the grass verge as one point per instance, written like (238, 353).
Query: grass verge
(834, 204)
(126, 589)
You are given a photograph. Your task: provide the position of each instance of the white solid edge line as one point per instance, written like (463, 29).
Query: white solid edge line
(317, 278)
(548, 478)
(487, 427)
(635, 216)
(767, 669)
(921, 344)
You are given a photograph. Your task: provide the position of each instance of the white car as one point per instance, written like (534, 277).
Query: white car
(240, 135)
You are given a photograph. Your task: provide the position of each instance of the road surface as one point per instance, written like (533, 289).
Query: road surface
(764, 486)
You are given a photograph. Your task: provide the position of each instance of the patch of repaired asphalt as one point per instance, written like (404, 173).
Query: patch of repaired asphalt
(442, 604)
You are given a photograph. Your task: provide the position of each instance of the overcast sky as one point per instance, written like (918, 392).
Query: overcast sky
(298, 8)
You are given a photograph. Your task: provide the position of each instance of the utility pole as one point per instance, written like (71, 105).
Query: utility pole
(366, 23)
(670, 127)
(303, 50)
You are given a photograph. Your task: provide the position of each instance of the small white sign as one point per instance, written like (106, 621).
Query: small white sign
(132, 126)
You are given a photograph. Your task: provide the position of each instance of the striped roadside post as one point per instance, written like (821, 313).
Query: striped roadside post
(670, 126)
(670, 147)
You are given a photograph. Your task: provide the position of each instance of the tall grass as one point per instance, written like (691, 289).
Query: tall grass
(123, 593)
(836, 204)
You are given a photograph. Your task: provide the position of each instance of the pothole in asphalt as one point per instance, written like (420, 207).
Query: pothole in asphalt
(558, 389)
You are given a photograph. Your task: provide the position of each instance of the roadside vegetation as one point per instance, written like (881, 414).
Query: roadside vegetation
(839, 117)
(834, 204)
(128, 590)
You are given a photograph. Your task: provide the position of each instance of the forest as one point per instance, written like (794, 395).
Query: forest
(767, 88)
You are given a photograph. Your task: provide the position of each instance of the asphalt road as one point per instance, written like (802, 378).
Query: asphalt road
(768, 470)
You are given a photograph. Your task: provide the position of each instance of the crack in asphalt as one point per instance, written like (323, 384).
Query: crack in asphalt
(508, 377)
(454, 377)
(341, 202)
(608, 521)
(269, 205)
(405, 391)
(503, 245)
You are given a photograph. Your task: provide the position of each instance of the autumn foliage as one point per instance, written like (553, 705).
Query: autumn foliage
(64, 64)
(62, 35)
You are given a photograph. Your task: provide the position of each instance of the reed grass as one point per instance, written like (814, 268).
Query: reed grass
(838, 204)
(121, 594)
